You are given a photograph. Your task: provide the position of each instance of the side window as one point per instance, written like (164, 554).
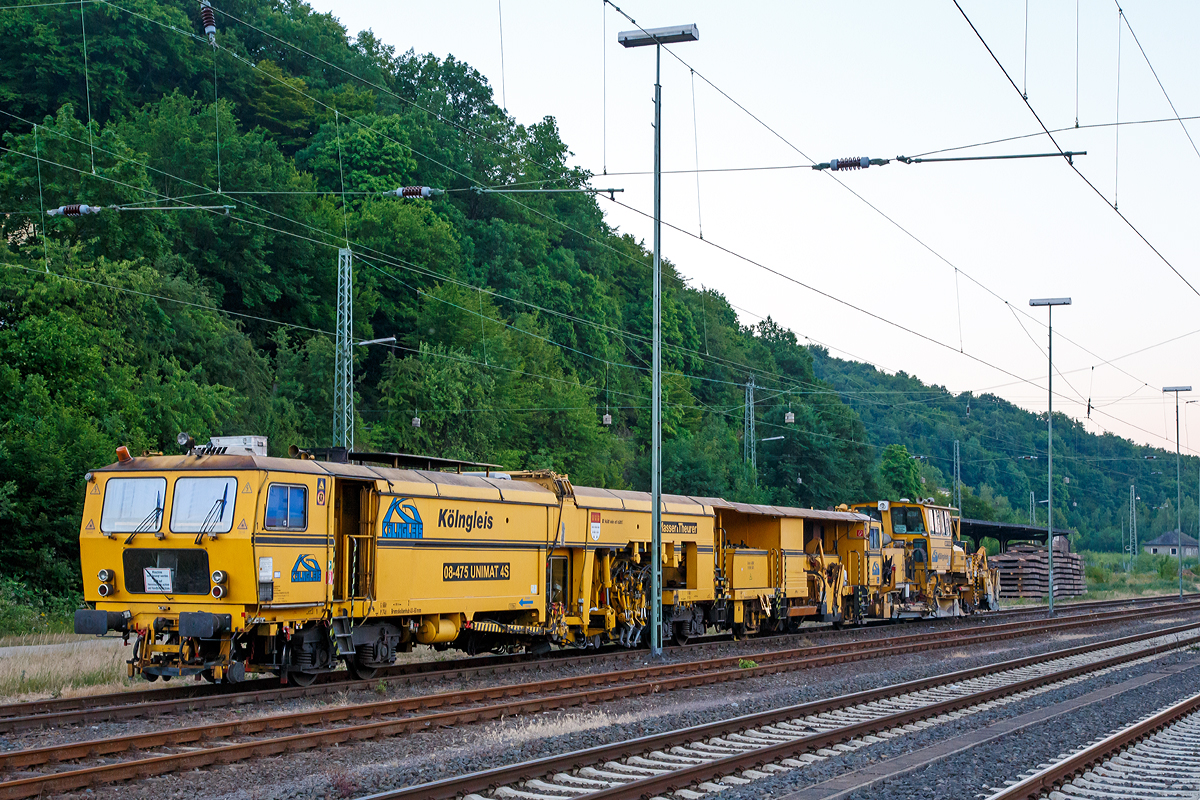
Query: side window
(874, 537)
(287, 507)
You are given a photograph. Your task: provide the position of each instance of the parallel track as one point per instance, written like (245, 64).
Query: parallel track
(536, 696)
(696, 761)
(145, 702)
(835, 652)
(1158, 757)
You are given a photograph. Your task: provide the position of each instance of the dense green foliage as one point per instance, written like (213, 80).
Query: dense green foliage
(1092, 472)
(520, 320)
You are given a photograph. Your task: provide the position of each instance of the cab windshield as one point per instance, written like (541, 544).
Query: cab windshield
(907, 519)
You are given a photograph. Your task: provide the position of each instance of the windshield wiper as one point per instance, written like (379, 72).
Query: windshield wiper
(152, 521)
(215, 515)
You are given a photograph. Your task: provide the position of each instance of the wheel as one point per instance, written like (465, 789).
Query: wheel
(149, 677)
(681, 634)
(302, 678)
(359, 672)
(209, 676)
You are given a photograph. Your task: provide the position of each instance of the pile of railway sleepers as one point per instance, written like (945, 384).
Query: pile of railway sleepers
(1024, 571)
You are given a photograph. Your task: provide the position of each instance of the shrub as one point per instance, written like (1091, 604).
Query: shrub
(24, 609)
(1167, 567)
(1097, 575)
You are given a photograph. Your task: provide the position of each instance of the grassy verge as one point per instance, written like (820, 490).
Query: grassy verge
(40, 656)
(87, 666)
(1112, 576)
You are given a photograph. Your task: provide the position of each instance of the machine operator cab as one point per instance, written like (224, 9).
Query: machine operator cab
(929, 534)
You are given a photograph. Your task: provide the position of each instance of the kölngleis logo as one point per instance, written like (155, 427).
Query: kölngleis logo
(449, 518)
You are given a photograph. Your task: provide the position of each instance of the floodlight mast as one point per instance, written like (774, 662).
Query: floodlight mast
(644, 38)
(1178, 485)
(1050, 303)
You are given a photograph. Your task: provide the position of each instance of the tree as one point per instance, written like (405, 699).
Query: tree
(899, 475)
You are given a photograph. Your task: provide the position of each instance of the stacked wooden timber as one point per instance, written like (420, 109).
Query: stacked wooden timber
(1024, 572)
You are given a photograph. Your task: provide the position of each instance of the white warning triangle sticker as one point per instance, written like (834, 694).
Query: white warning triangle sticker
(247, 490)
(242, 525)
(91, 526)
(95, 489)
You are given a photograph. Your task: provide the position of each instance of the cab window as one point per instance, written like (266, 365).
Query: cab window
(874, 543)
(166, 571)
(203, 505)
(907, 519)
(133, 504)
(287, 507)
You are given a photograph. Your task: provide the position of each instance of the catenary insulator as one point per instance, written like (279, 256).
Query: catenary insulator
(73, 210)
(416, 191)
(209, 20)
(849, 163)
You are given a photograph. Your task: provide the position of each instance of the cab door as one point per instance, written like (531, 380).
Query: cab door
(355, 553)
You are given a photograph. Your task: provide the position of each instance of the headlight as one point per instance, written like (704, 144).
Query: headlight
(105, 575)
(219, 576)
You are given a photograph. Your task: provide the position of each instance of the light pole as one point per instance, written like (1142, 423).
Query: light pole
(1178, 483)
(1050, 303)
(643, 38)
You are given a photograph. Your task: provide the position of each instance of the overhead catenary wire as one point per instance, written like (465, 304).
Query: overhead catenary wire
(868, 313)
(848, 188)
(1083, 177)
(1154, 72)
(250, 222)
(503, 82)
(87, 83)
(624, 255)
(1117, 129)
(1076, 63)
(696, 142)
(456, 170)
(37, 150)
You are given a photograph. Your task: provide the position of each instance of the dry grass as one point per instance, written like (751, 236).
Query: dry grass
(526, 729)
(52, 668)
(28, 639)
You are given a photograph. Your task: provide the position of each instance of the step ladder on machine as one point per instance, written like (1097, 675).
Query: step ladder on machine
(343, 634)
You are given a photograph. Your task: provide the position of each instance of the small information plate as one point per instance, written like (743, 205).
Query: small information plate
(158, 579)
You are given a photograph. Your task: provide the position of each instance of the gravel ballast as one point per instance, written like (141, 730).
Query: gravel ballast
(370, 766)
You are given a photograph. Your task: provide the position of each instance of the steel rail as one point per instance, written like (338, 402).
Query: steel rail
(844, 649)
(506, 775)
(1063, 771)
(157, 765)
(329, 683)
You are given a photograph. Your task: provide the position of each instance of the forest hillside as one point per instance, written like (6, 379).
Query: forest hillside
(520, 320)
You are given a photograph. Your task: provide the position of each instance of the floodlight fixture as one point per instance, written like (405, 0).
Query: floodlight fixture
(1050, 301)
(669, 35)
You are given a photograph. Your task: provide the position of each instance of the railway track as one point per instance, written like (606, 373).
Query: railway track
(810, 656)
(399, 716)
(1158, 757)
(149, 702)
(694, 762)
